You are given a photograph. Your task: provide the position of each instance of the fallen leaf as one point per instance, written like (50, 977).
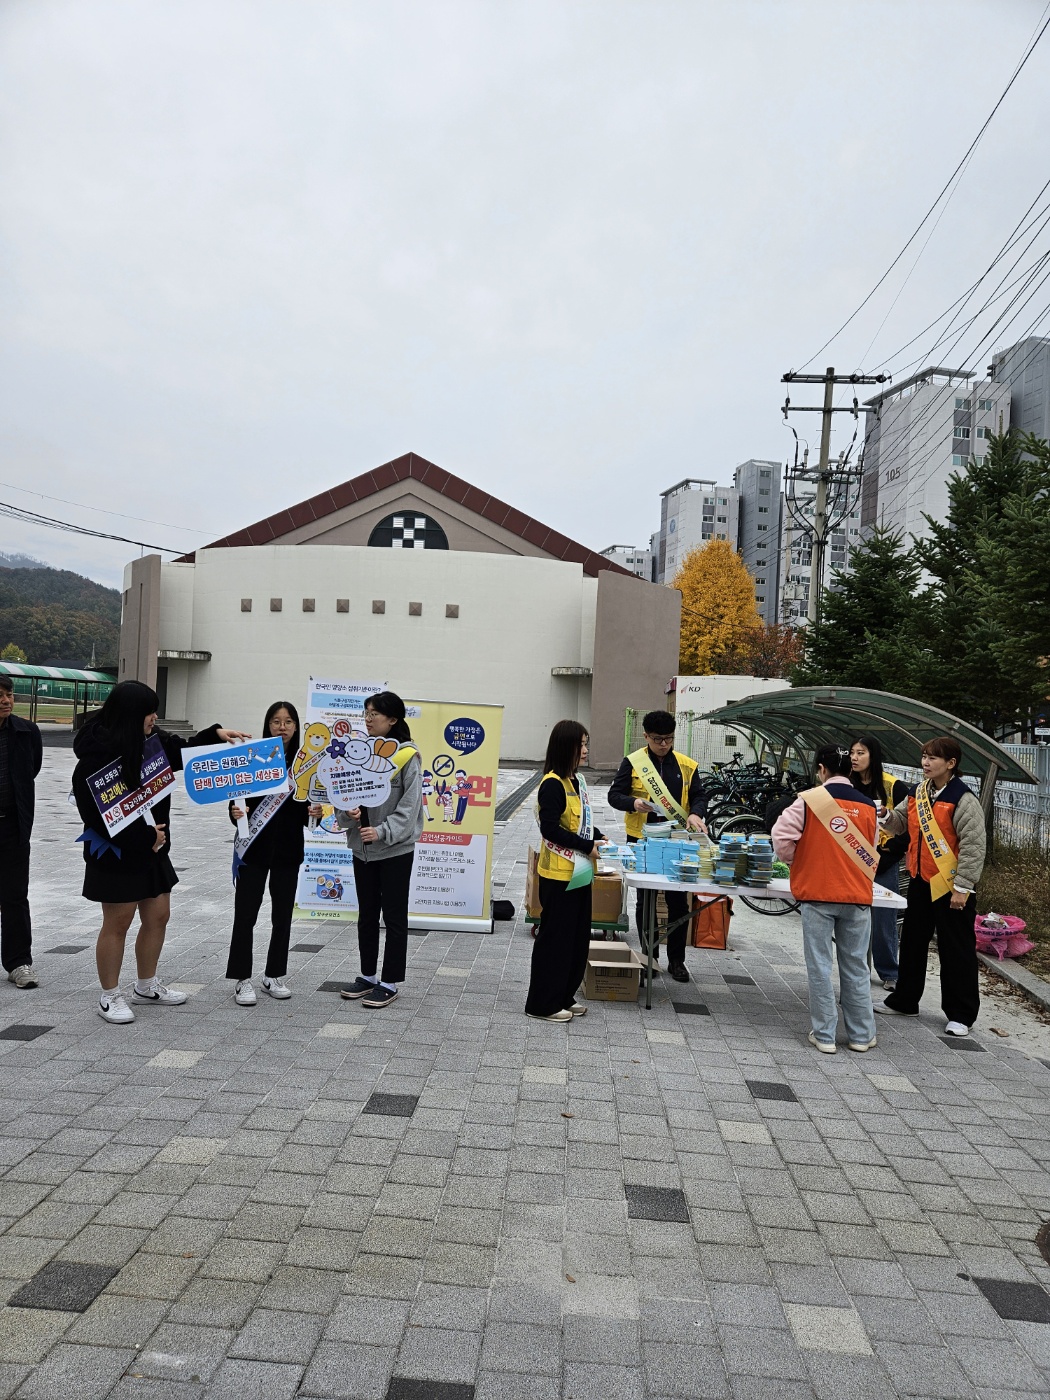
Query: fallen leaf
(996, 1031)
(570, 1278)
(568, 1115)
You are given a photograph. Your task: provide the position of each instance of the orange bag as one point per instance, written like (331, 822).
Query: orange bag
(710, 924)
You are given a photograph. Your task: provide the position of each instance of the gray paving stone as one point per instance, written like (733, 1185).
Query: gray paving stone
(73, 1372)
(255, 1380)
(63, 1286)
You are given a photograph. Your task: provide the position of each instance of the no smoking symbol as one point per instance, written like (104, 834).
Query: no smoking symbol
(444, 764)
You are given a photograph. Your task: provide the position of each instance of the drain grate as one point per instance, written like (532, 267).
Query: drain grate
(513, 800)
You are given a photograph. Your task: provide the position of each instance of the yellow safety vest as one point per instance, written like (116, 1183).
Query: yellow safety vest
(635, 821)
(559, 864)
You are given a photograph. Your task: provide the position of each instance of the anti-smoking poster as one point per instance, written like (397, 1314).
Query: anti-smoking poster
(334, 708)
(459, 750)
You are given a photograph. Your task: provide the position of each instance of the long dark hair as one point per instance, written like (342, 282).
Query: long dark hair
(874, 748)
(120, 721)
(391, 705)
(564, 748)
(291, 746)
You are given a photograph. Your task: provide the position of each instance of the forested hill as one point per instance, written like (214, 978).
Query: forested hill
(56, 616)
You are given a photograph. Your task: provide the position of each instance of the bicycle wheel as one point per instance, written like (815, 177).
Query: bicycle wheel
(773, 907)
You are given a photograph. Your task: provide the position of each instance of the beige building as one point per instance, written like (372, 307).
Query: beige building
(409, 574)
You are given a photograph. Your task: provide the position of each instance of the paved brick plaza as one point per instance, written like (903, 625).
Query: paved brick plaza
(684, 1202)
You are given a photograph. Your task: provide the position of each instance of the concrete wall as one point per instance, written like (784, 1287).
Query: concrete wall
(518, 619)
(636, 637)
(140, 621)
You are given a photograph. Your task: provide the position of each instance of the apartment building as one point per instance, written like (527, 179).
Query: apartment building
(693, 512)
(1024, 369)
(918, 433)
(760, 512)
(631, 557)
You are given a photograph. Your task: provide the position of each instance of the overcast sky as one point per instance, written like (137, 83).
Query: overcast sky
(565, 250)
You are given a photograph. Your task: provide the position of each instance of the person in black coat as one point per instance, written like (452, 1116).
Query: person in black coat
(277, 852)
(130, 869)
(21, 753)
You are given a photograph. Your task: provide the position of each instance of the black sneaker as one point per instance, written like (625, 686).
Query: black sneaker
(359, 987)
(679, 972)
(381, 996)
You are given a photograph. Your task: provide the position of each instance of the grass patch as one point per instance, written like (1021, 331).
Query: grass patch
(1017, 881)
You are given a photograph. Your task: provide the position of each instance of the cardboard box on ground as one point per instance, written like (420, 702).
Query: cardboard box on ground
(614, 972)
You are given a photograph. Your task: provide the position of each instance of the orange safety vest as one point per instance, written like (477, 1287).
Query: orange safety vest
(920, 858)
(822, 872)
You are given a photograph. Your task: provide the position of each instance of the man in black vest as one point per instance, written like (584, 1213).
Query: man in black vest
(21, 752)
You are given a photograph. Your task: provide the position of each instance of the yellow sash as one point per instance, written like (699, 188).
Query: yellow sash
(834, 820)
(655, 786)
(943, 856)
(404, 753)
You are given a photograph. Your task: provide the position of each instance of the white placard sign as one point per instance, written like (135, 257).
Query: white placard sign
(448, 876)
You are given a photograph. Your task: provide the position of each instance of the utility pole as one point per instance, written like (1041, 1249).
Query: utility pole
(838, 477)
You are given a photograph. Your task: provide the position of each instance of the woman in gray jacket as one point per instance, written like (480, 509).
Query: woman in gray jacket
(383, 840)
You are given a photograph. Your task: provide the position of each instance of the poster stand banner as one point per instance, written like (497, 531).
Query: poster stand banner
(325, 891)
(459, 751)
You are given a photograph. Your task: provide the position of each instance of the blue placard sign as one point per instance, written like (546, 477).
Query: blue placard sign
(222, 772)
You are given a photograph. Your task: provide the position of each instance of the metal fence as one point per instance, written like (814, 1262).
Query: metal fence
(1022, 811)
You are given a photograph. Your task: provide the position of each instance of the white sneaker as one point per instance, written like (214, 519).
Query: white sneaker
(862, 1046)
(956, 1028)
(274, 987)
(244, 995)
(554, 1016)
(163, 996)
(115, 1009)
(826, 1047)
(23, 977)
(881, 1009)
(578, 1009)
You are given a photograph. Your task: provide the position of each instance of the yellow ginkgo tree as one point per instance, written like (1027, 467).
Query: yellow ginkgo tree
(718, 607)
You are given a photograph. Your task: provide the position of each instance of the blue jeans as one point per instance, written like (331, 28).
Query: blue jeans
(884, 929)
(842, 931)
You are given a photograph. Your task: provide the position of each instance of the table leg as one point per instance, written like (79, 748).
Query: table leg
(649, 927)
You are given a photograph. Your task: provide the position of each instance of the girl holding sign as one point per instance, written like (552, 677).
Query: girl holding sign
(566, 872)
(274, 849)
(383, 839)
(126, 842)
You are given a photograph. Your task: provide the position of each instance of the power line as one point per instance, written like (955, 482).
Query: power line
(30, 517)
(99, 510)
(946, 187)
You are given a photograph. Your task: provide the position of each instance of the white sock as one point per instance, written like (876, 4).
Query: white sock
(108, 992)
(145, 986)
(390, 986)
(373, 979)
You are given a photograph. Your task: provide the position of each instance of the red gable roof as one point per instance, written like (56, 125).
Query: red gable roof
(415, 468)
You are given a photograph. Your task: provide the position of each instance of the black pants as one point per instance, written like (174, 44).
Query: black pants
(16, 931)
(956, 948)
(559, 955)
(382, 887)
(247, 901)
(677, 908)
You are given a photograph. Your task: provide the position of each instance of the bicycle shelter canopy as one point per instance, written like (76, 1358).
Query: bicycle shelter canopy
(807, 717)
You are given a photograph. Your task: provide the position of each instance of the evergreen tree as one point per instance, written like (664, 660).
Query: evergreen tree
(866, 636)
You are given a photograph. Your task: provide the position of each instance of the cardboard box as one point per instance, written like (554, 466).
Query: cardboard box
(532, 887)
(606, 894)
(614, 972)
(606, 899)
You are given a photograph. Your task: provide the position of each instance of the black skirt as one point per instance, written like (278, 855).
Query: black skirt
(106, 883)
